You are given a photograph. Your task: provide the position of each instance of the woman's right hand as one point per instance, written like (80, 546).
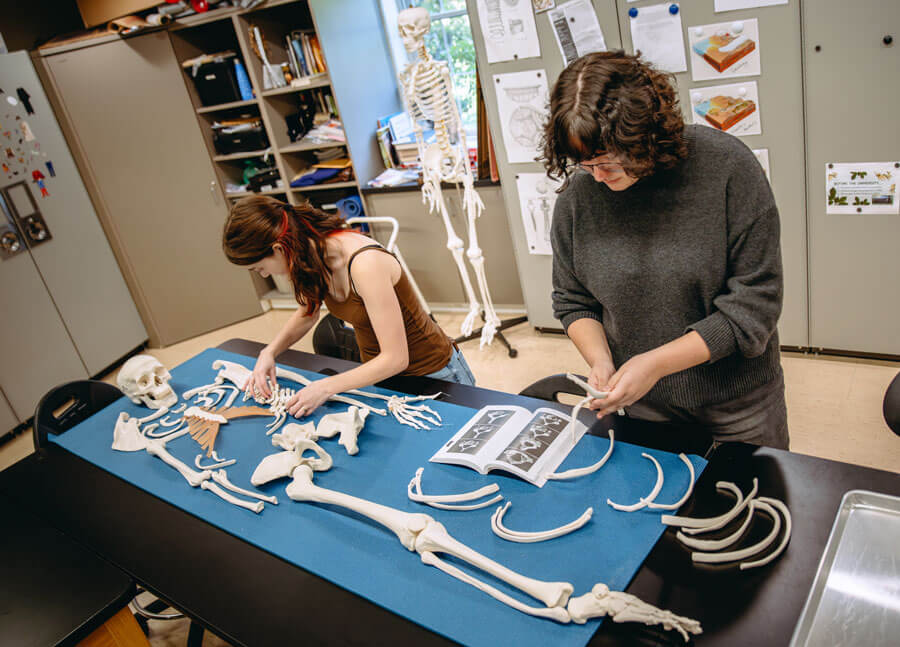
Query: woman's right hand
(263, 375)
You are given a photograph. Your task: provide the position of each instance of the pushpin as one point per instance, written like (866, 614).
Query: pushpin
(742, 92)
(698, 31)
(695, 97)
(673, 9)
(737, 26)
(633, 12)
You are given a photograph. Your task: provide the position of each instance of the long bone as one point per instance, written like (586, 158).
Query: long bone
(221, 477)
(422, 534)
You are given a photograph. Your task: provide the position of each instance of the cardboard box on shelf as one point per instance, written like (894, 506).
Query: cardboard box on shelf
(97, 12)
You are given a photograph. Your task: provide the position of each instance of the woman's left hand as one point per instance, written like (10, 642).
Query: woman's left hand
(629, 384)
(308, 399)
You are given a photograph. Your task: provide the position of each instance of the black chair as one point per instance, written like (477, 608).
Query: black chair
(333, 338)
(74, 402)
(59, 410)
(549, 388)
(891, 406)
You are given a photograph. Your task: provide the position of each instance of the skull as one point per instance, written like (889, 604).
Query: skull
(143, 379)
(413, 24)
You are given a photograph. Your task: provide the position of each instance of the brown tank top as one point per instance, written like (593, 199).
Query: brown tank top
(429, 347)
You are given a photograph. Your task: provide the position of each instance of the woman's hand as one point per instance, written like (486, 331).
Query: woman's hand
(600, 374)
(629, 384)
(263, 374)
(309, 398)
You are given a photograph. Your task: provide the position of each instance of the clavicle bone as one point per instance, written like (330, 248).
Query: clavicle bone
(531, 537)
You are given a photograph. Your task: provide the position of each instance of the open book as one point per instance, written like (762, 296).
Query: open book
(514, 439)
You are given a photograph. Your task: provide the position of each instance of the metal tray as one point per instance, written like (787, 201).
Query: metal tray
(855, 596)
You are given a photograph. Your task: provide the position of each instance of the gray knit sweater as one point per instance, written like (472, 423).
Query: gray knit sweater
(692, 248)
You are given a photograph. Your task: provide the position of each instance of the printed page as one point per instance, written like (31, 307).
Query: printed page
(482, 438)
(541, 445)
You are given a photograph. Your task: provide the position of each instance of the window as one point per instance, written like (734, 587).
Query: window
(449, 40)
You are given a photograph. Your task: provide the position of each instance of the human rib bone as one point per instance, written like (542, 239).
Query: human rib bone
(443, 501)
(217, 464)
(716, 544)
(687, 494)
(590, 469)
(642, 503)
(428, 94)
(781, 507)
(735, 555)
(422, 534)
(531, 537)
(693, 526)
(624, 607)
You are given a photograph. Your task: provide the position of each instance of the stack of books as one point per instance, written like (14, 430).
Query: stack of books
(304, 54)
(397, 141)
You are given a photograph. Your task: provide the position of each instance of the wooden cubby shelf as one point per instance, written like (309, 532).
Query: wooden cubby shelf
(300, 147)
(306, 83)
(240, 156)
(227, 106)
(324, 187)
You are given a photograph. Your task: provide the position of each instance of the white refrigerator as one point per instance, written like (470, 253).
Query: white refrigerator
(66, 311)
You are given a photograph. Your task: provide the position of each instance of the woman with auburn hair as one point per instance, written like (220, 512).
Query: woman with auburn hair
(357, 279)
(666, 256)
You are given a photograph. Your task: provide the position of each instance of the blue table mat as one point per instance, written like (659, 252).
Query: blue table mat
(367, 559)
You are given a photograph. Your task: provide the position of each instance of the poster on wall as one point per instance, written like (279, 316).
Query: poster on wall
(861, 188)
(724, 50)
(732, 5)
(656, 33)
(508, 30)
(731, 108)
(576, 29)
(537, 197)
(762, 156)
(522, 99)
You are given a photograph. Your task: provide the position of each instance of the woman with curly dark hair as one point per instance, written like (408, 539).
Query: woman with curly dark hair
(666, 256)
(358, 280)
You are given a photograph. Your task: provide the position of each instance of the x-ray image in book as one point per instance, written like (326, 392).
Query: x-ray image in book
(513, 439)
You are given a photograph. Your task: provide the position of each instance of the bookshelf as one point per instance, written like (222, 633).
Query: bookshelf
(231, 30)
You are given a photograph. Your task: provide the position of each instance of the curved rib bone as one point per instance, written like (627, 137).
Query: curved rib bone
(531, 537)
(784, 541)
(624, 607)
(590, 469)
(642, 503)
(735, 555)
(687, 494)
(216, 465)
(693, 526)
(716, 544)
(414, 492)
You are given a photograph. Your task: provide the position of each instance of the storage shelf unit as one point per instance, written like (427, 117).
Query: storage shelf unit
(230, 30)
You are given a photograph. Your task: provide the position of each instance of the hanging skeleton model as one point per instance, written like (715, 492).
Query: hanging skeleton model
(428, 94)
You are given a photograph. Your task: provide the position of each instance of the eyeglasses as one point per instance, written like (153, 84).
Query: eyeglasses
(589, 167)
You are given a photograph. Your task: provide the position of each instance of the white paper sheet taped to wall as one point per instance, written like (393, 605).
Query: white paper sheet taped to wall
(656, 33)
(522, 99)
(576, 29)
(537, 198)
(508, 30)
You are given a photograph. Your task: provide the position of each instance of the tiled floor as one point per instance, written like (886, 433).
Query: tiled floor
(834, 404)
